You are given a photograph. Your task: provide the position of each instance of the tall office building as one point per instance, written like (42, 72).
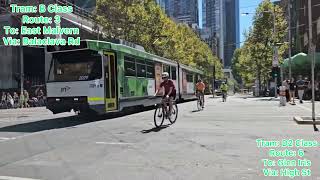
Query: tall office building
(222, 18)
(186, 11)
(204, 13)
(210, 14)
(232, 33)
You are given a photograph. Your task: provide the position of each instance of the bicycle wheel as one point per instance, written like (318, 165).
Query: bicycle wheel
(202, 103)
(199, 105)
(158, 116)
(174, 114)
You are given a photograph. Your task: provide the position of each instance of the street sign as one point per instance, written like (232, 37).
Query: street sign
(275, 62)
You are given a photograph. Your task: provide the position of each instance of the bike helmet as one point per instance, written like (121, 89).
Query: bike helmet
(165, 75)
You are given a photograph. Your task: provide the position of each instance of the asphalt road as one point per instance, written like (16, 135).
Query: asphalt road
(216, 143)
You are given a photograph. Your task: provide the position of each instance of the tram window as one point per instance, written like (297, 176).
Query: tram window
(166, 68)
(77, 68)
(96, 72)
(141, 70)
(150, 71)
(189, 78)
(173, 73)
(129, 66)
(149, 63)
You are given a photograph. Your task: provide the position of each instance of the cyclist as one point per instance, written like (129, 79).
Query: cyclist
(169, 93)
(224, 90)
(200, 87)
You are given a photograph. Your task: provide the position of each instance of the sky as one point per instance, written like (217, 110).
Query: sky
(247, 6)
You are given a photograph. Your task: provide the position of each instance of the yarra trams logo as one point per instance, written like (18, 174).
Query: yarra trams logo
(65, 89)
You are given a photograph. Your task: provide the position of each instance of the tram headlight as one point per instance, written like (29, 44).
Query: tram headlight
(76, 99)
(57, 99)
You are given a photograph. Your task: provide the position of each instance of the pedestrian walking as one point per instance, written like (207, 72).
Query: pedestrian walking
(286, 84)
(15, 100)
(3, 100)
(21, 100)
(282, 93)
(10, 101)
(26, 98)
(292, 88)
(300, 87)
(40, 96)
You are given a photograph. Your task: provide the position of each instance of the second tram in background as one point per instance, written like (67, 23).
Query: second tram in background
(104, 77)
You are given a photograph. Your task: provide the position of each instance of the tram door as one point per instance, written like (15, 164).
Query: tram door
(110, 69)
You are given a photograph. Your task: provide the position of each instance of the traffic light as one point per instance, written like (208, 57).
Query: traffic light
(275, 72)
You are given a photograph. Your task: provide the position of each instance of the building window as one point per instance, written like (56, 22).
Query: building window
(129, 66)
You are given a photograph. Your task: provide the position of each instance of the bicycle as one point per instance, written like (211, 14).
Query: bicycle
(162, 113)
(200, 101)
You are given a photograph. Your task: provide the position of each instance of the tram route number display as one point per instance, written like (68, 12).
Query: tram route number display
(286, 158)
(43, 30)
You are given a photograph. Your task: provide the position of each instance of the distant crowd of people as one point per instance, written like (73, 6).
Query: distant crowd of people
(22, 100)
(287, 91)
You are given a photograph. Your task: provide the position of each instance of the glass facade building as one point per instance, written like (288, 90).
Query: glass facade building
(232, 32)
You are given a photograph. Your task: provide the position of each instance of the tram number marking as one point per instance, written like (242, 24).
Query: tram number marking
(83, 77)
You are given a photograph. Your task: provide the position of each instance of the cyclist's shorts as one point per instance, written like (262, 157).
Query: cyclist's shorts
(199, 91)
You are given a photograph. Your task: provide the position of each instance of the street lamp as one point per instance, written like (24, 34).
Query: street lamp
(21, 51)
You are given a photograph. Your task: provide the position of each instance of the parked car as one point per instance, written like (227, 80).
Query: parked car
(218, 92)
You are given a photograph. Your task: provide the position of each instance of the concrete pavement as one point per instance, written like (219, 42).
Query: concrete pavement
(216, 143)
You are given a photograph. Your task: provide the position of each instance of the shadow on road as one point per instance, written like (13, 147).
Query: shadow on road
(268, 99)
(64, 122)
(194, 111)
(155, 129)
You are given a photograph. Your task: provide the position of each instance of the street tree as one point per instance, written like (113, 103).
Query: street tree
(256, 55)
(144, 22)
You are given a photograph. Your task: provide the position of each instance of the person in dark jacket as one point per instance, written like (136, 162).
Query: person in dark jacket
(292, 88)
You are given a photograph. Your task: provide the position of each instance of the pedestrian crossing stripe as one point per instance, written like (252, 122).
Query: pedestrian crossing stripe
(15, 178)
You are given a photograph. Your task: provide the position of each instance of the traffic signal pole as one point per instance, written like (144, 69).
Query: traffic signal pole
(275, 58)
(311, 56)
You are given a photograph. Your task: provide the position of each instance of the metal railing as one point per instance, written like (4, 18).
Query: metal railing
(76, 9)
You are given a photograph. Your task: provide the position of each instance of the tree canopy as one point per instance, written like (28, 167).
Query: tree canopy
(254, 59)
(143, 22)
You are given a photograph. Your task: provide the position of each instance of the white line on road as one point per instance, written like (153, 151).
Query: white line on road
(113, 143)
(6, 139)
(308, 109)
(14, 178)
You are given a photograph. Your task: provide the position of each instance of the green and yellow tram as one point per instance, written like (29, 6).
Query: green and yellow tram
(105, 77)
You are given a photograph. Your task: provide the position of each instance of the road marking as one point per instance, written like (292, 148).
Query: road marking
(6, 139)
(14, 178)
(113, 143)
(308, 109)
(22, 136)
